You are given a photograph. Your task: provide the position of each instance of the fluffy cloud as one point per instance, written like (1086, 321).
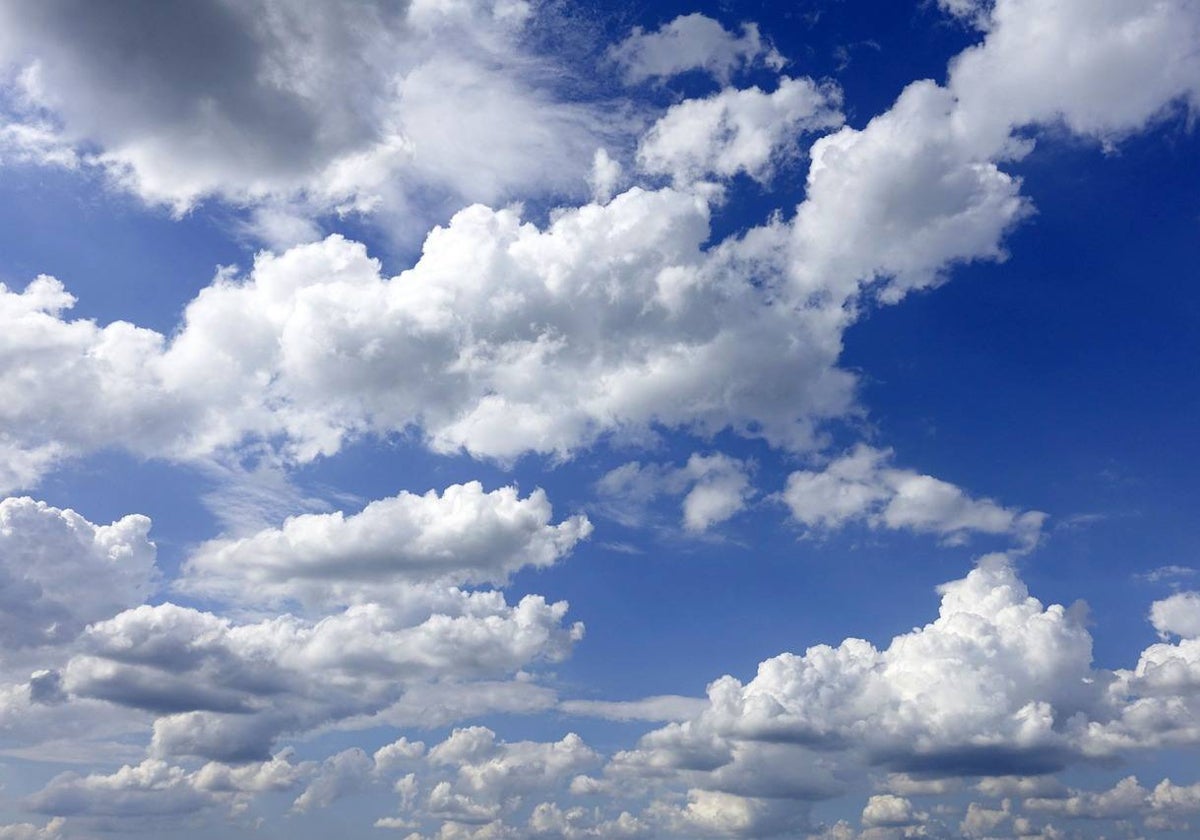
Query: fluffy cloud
(517, 339)
(613, 319)
(226, 691)
(899, 201)
(325, 105)
(864, 486)
(1178, 615)
(60, 572)
(27, 831)
(887, 809)
(737, 131)
(1122, 801)
(155, 788)
(692, 42)
(991, 686)
(1102, 69)
(714, 488)
(710, 813)
(460, 536)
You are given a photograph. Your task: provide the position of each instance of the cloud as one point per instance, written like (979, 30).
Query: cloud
(862, 486)
(1178, 615)
(714, 488)
(305, 349)
(737, 131)
(1102, 70)
(60, 572)
(717, 814)
(692, 42)
(489, 324)
(312, 106)
(1124, 800)
(986, 689)
(154, 788)
(661, 708)
(27, 831)
(227, 691)
(460, 536)
(889, 810)
(341, 774)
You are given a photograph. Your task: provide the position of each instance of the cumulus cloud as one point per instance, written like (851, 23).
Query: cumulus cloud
(737, 131)
(52, 830)
(1178, 615)
(1101, 69)
(315, 105)
(227, 691)
(612, 320)
(990, 687)
(341, 774)
(460, 536)
(692, 42)
(60, 572)
(714, 488)
(863, 486)
(154, 788)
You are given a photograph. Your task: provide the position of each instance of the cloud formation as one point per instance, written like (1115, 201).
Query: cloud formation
(462, 535)
(304, 108)
(692, 42)
(863, 486)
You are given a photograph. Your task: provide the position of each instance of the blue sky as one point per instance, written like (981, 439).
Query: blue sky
(489, 419)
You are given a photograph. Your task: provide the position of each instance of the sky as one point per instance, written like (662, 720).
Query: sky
(484, 419)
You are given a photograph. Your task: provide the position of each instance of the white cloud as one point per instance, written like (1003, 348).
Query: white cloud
(154, 788)
(27, 831)
(974, 11)
(298, 109)
(887, 809)
(1104, 69)
(60, 572)
(736, 131)
(710, 813)
(460, 536)
(1125, 799)
(661, 708)
(344, 773)
(692, 42)
(226, 691)
(990, 686)
(983, 822)
(1178, 615)
(150, 788)
(549, 821)
(714, 488)
(900, 201)
(863, 486)
(611, 321)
